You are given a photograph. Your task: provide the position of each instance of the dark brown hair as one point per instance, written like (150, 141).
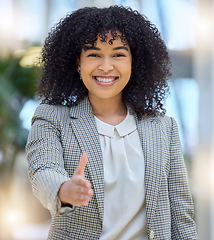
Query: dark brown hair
(147, 88)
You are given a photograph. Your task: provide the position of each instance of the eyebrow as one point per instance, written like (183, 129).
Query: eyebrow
(86, 48)
(122, 47)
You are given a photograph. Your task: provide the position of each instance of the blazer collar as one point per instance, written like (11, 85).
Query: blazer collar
(83, 108)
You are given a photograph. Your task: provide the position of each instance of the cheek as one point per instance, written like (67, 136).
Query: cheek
(127, 71)
(87, 68)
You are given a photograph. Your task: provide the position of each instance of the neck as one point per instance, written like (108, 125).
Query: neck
(112, 111)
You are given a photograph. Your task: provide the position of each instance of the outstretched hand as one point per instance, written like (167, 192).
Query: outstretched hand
(77, 191)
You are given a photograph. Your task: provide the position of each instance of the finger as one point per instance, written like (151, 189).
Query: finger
(82, 163)
(82, 197)
(79, 180)
(81, 190)
(86, 192)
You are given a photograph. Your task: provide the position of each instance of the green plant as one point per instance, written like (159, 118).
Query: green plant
(17, 85)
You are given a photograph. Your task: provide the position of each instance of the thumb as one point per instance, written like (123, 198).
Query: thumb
(82, 163)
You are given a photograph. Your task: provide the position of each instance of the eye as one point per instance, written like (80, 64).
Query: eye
(93, 55)
(119, 55)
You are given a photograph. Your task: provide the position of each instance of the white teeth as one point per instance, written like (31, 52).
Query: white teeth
(105, 80)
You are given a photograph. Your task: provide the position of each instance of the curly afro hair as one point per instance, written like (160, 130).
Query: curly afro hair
(60, 82)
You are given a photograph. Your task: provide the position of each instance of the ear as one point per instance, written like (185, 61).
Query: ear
(78, 65)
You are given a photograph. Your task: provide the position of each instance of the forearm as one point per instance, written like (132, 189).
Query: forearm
(46, 184)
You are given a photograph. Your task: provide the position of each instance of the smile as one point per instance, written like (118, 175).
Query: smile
(105, 79)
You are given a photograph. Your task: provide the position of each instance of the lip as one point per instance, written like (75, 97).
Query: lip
(107, 80)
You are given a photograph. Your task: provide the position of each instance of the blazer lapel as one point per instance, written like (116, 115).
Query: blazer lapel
(152, 140)
(84, 127)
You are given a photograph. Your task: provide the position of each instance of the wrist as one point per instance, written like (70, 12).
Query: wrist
(62, 194)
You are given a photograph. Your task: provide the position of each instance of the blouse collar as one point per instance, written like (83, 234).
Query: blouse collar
(124, 128)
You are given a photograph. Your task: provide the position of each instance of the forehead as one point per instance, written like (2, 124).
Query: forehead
(110, 37)
(110, 43)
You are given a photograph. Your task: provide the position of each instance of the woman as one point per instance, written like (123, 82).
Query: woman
(103, 157)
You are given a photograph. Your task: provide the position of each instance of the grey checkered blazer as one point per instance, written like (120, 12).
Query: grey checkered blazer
(55, 144)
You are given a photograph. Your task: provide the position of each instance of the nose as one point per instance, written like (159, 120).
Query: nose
(106, 65)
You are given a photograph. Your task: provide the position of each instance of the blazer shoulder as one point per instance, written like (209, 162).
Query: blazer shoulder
(51, 112)
(169, 126)
(167, 123)
(164, 119)
(159, 118)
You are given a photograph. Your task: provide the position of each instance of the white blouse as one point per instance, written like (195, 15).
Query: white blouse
(124, 168)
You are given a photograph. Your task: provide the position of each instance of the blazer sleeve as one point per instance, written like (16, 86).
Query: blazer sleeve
(45, 158)
(183, 225)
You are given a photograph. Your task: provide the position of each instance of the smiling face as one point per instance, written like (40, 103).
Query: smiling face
(105, 68)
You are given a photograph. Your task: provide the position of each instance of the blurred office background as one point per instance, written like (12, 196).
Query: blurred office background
(186, 27)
